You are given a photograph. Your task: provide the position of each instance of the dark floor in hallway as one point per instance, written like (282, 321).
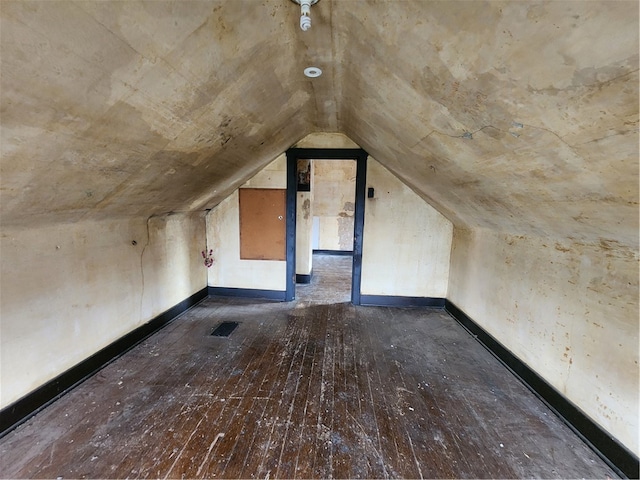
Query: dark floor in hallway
(330, 282)
(302, 390)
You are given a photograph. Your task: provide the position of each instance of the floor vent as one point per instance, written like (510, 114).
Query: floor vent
(224, 329)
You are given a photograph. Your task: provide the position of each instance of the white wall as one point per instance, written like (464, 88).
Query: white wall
(223, 237)
(566, 309)
(70, 289)
(406, 242)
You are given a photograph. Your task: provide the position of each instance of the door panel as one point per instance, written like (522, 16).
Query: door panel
(262, 224)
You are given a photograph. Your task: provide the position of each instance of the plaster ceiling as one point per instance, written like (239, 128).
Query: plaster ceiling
(140, 108)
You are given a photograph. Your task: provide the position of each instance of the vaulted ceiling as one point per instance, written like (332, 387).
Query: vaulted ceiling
(516, 116)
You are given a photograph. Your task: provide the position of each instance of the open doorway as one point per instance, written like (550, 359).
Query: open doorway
(338, 219)
(325, 213)
(333, 205)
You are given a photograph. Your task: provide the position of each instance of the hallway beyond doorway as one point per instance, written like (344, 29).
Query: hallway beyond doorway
(330, 283)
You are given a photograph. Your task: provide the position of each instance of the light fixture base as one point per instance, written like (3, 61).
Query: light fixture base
(305, 10)
(312, 72)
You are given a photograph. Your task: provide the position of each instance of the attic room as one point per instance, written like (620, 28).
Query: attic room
(462, 176)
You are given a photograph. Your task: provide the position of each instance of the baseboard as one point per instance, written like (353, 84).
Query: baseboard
(616, 455)
(278, 295)
(622, 460)
(346, 253)
(304, 278)
(395, 301)
(24, 408)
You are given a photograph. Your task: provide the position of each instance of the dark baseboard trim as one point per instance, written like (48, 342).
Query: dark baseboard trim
(278, 295)
(346, 253)
(394, 301)
(304, 278)
(622, 460)
(24, 408)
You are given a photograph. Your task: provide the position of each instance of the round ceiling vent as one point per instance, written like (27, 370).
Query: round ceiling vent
(312, 72)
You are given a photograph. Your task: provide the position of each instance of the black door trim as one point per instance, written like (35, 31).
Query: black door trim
(295, 154)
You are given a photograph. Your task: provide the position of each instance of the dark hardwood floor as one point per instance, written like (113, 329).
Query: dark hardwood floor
(330, 283)
(313, 389)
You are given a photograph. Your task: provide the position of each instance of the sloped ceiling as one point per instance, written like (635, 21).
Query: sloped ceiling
(516, 116)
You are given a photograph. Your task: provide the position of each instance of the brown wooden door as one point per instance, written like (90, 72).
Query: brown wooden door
(262, 224)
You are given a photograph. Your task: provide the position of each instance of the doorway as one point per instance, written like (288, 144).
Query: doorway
(296, 184)
(324, 230)
(330, 220)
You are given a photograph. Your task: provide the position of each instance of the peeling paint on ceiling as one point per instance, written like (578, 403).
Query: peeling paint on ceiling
(513, 116)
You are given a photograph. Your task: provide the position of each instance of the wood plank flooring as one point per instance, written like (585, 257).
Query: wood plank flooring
(311, 389)
(330, 282)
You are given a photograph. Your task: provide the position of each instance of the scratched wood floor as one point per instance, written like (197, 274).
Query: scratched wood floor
(313, 389)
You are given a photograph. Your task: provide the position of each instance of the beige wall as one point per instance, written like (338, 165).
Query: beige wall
(568, 310)
(223, 237)
(70, 289)
(406, 243)
(334, 197)
(274, 175)
(326, 140)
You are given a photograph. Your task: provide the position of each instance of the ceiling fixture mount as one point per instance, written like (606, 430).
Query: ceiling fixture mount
(305, 9)
(312, 72)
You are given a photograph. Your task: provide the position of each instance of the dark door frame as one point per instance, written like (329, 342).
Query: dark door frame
(295, 154)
